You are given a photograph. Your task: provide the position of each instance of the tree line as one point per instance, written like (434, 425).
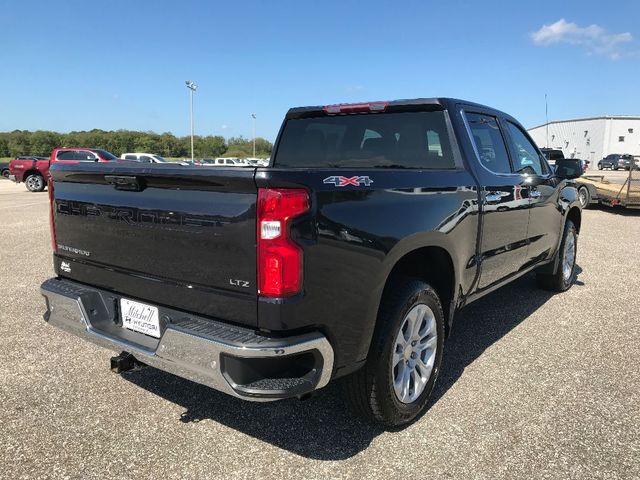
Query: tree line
(42, 142)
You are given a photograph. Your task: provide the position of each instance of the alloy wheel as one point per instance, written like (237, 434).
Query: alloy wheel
(414, 353)
(569, 257)
(34, 182)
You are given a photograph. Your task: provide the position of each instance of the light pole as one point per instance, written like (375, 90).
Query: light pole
(253, 119)
(192, 88)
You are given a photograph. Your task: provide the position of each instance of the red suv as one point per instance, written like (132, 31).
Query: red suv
(34, 172)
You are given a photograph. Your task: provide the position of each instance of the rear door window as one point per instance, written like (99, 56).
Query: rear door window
(489, 143)
(419, 140)
(66, 155)
(85, 156)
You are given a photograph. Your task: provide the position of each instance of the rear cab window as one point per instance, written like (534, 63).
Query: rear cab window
(415, 140)
(489, 142)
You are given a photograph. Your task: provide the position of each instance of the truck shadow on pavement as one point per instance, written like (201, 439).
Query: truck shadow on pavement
(322, 427)
(625, 212)
(484, 322)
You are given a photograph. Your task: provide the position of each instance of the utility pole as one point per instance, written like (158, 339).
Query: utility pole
(192, 88)
(253, 118)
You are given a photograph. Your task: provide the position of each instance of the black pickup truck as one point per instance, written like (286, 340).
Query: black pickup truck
(347, 256)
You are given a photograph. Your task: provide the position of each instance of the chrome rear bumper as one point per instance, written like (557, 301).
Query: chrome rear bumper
(212, 353)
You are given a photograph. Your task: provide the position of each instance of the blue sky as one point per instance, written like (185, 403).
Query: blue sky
(78, 65)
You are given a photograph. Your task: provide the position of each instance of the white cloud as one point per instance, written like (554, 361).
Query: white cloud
(595, 39)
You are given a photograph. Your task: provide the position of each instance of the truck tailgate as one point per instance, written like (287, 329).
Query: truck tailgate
(170, 235)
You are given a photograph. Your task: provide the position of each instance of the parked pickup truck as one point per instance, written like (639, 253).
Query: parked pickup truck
(4, 169)
(34, 171)
(347, 256)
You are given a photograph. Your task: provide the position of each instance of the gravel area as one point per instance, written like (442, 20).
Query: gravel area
(533, 386)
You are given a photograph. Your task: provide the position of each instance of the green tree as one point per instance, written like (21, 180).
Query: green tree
(4, 148)
(209, 146)
(18, 143)
(243, 147)
(118, 142)
(43, 142)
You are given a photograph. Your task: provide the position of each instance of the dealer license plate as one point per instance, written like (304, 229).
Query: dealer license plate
(140, 317)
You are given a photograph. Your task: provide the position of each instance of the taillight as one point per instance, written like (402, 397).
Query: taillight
(355, 107)
(279, 258)
(52, 225)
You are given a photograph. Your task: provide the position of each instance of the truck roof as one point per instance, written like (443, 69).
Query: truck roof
(438, 103)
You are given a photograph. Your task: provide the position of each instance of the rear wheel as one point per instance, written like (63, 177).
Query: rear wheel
(393, 387)
(584, 196)
(35, 183)
(5, 173)
(566, 272)
(599, 166)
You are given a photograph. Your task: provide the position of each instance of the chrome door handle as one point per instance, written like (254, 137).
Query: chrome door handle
(493, 197)
(535, 193)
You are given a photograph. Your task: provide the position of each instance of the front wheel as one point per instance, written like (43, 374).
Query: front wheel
(5, 173)
(584, 196)
(599, 166)
(394, 385)
(566, 271)
(35, 183)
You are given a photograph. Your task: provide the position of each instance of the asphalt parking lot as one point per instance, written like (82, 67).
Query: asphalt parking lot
(533, 385)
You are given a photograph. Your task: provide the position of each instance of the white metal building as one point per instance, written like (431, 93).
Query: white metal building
(591, 138)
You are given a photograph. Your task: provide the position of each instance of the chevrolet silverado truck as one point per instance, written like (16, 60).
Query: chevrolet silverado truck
(347, 257)
(34, 171)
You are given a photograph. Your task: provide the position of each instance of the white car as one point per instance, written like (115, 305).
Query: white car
(147, 158)
(227, 161)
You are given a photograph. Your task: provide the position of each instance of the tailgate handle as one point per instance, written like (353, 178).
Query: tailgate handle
(123, 182)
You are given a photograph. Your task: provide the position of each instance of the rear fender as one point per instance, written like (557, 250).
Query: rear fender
(405, 247)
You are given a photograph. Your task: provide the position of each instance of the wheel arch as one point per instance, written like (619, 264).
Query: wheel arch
(33, 171)
(575, 215)
(431, 262)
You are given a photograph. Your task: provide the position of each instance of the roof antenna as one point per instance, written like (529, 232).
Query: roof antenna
(546, 114)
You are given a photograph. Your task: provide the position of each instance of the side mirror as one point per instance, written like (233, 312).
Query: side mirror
(568, 168)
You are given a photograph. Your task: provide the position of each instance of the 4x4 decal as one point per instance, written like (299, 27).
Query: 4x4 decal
(340, 181)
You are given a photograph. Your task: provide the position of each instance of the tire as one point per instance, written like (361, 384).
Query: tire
(371, 391)
(600, 167)
(564, 277)
(5, 173)
(35, 183)
(584, 196)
